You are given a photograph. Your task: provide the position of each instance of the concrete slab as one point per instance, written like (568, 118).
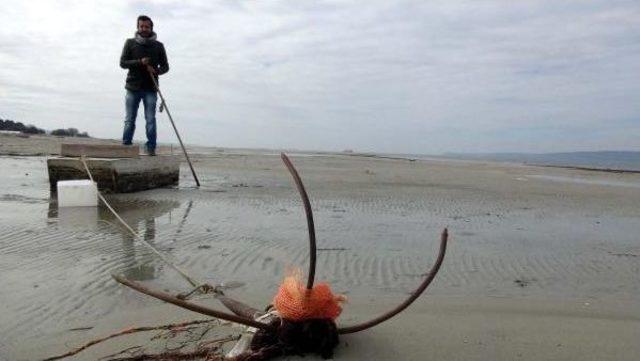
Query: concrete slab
(119, 175)
(99, 150)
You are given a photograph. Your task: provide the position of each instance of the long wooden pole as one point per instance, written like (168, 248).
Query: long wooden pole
(184, 150)
(190, 306)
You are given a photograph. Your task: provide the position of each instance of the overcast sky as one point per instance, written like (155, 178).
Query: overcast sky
(386, 76)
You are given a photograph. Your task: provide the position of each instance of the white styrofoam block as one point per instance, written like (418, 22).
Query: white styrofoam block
(77, 193)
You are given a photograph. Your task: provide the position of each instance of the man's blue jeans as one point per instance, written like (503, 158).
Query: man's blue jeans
(132, 102)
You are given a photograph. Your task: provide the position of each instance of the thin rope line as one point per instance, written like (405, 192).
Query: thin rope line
(189, 279)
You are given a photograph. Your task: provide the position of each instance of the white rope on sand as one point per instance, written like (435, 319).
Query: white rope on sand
(189, 279)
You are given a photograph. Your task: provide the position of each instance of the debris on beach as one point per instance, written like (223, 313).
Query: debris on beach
(301, 319)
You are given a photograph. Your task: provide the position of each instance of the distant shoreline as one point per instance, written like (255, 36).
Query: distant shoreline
(48, 145)
(591, 169)
(612, 161)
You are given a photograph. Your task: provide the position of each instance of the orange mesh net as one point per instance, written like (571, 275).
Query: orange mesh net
(294, 302)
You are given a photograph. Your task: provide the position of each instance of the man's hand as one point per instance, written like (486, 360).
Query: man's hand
(151, 69)
(145, 61)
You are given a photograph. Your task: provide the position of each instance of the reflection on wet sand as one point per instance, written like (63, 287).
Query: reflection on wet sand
(133, 268)
(140, 215)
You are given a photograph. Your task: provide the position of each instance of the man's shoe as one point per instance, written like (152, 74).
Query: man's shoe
(151, 152)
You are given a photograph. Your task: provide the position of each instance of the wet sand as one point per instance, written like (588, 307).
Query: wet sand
(543, 263)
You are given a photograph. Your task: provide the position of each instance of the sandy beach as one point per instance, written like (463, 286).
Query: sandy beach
(543, 263)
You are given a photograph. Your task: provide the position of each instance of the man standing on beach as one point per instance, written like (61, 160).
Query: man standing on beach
(145, 57)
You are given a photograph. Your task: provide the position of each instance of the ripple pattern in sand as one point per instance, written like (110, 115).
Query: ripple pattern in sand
(71, 267)
(367, 245)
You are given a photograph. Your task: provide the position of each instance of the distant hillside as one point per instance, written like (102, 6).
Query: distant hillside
(615, 160)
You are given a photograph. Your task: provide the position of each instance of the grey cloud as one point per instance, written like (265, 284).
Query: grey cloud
(408, 76)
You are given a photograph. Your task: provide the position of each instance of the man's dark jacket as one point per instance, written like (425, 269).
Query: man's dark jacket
(138, 77)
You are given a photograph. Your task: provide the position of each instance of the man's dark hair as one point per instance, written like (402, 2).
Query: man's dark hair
(144, 18)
